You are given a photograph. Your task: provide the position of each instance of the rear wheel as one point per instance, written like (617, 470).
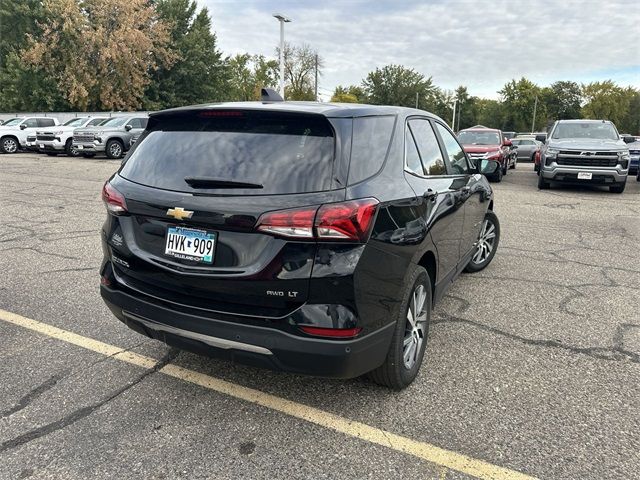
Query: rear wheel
(542, 184)
(409, 340)
(487, 243)
(8, 145)
(70, 149)
(114, 149)
(497, 177)
(617, 188)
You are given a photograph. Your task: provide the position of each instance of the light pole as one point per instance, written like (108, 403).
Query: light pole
(453, 121)
(282, 19)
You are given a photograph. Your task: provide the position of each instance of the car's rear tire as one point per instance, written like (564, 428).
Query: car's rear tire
(410, 336)
(114, 149)
(70, 149)
(497, 177)
(619, 188)
(542, 183)
(88, 155)
(515, 162)
(9, 145)
(487, 244)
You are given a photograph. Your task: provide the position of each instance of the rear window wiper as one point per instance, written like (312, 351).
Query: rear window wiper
(210, 182)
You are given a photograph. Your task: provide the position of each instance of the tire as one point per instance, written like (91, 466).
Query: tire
(9, 145)
(533, 158)
(617, 188)
(542, 184)
(88, 155)
(70, 150)
(638, 176)
(515, 162)
(505, 169)
(403, 362)
(51, 154)
(497, 177)
(114, 149)
(487, 244)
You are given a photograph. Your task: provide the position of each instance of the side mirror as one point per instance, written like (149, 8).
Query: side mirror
(629, 139)
(23, 126)
(128, 127)
(541, 138)
(488, 167)
(507, 142)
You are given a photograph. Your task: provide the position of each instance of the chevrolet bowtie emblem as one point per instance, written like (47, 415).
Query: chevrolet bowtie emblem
(179, 213)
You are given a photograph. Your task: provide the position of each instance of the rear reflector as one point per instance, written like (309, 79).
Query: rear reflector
(332, 332)
(113, 200)
(345, 221)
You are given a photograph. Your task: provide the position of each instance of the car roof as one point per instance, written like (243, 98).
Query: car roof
(480, 129)
(327, 109)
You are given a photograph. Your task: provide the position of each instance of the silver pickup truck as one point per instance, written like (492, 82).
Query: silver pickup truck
(112, 137)
(584, 151)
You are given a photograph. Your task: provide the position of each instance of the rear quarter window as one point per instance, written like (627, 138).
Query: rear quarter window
(371, 139)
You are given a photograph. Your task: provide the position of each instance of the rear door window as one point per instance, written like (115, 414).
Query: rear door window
(371, 138)
(281, 152)
(46, 122)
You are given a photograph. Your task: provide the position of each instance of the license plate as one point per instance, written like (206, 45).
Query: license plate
(190, 244)
(41, 145)
(79, 147)
(584, 175)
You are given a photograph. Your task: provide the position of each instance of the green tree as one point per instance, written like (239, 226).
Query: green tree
(200, 73)
(398, 85)
(248, 74)
(466, 109)
(631, 122)
(562, 100)
(350, 94)
(489, 113)
(519, 101)
(300, 63)
(606, 101)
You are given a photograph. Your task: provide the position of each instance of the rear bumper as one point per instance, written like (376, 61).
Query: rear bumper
(249, 344)
(600, 176)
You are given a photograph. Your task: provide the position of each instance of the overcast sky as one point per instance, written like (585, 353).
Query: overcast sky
(480, 44)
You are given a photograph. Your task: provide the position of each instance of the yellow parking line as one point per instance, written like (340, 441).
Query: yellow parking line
(431, 453)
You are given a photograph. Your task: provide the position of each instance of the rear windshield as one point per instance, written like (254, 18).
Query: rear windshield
(281, 152)
(478, 137)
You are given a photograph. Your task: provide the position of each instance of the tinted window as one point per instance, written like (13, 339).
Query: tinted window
(95, 121)
(46, 122)
(74, 122)
(412, 158)
(371, 137)
(285, 153)
(31, 122)
(138, 122)
(479, 137)
(457, 157)
(428, 147)
(115, 122)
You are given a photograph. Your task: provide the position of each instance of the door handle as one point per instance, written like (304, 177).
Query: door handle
(430, 194)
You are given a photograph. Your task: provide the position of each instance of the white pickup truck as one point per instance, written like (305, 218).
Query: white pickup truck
(14, 132)
(53, 141)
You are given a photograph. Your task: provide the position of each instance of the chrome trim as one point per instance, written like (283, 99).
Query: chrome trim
(212, 341)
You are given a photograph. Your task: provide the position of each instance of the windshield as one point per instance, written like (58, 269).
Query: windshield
(284, 153)
(114, 122)
(75, 122)
(470, 137)
(596, 130)
(13, 121)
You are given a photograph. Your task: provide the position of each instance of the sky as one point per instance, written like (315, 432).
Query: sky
(479, 44)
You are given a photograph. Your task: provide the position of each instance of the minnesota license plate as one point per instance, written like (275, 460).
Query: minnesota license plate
(190, 244)
(584, 175)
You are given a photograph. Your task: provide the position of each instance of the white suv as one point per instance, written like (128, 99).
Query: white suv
(53, 141)
(14, 132)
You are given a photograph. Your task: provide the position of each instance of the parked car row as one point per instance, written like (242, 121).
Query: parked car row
(86, 136)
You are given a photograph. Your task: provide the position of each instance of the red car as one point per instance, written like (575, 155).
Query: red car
(482, 143)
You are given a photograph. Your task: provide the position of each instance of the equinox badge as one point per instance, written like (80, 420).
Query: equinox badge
(179, 213)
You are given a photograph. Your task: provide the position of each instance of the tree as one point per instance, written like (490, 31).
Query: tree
(465, 117)
(562, 100)
(100, 53)
(199, 74)
(606, 101)
(519, 101)
(398, 85)
(300, 63)
(489, 113)
(350, 94)
(249, 74)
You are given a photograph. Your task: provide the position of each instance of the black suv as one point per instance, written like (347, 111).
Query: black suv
(312, 238)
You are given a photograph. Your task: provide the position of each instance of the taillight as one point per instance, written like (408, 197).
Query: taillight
(344, 221)
(331, 332)
(113, 200)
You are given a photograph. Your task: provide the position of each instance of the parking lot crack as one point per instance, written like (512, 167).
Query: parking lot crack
(36, 392)
(84, 412)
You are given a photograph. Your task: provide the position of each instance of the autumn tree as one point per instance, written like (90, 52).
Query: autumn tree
(350, 94)
(199, 73)
(249, 74)
(399, 85)
(300, 63)
(100, 53)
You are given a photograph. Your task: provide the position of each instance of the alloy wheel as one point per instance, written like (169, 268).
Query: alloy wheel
(9, 145)
(416, 327)
(485, 242)
(115, 150)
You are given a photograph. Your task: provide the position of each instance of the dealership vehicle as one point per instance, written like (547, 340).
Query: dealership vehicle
(489, 144)
(634, 156)
(584, 151)
(57, 140)
(308, 237)
(113, 137)
(526, 148)
(14, 132)
(30, 144)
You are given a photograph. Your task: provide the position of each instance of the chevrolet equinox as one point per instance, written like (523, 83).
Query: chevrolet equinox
(306, 237)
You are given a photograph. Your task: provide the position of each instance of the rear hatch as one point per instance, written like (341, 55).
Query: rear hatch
(195, 186)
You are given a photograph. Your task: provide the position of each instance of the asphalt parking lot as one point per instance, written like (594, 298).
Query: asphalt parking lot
(532, 366)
